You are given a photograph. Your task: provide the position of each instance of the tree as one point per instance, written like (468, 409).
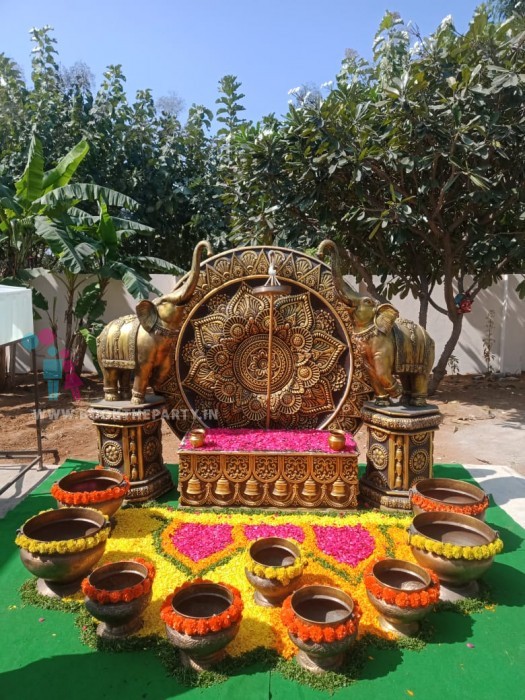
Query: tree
(42, 214)
(414, 163)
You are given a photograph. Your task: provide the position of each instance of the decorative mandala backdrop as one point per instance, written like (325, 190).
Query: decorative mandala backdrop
(218, 370)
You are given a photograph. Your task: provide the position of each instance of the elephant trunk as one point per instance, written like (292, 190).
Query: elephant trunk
(182, 294)
(346, 293)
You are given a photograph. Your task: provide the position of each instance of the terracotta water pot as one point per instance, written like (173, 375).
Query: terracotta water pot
(122, 618)
(449, 495)
(322, 606)
(200, 601)
(61, 574)
(398, 577)
(92, 480)
(275, 552)
(458, 576)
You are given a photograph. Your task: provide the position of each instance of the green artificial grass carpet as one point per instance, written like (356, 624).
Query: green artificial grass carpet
(478, 655)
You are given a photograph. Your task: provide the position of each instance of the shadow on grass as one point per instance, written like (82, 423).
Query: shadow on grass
(450, 627)
(507, 584)
(91, 675)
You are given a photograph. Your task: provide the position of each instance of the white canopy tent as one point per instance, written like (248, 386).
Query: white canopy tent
(16, 323)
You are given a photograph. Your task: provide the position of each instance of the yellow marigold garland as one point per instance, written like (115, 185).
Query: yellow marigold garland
(455, 551)
(283, 574)
(62, 546)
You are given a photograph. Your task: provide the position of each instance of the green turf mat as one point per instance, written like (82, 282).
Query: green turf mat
(479, 656)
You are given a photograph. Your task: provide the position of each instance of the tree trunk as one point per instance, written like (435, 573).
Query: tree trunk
(423, 311)
(440, 369)
(78, 353)
(3, 368)
(11, 375)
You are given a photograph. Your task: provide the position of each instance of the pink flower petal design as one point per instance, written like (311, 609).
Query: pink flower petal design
(254, 532)
(254, 440)
(200, 541)
(348, 544)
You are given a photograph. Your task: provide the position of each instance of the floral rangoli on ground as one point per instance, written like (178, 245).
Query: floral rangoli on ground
(184, 545)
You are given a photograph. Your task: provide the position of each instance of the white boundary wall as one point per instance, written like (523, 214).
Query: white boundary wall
(508, 331)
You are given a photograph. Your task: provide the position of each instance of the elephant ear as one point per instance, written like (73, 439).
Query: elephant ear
(147, 314)
(386, 316)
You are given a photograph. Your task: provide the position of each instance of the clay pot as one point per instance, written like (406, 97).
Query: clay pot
(449, 493)
(121, 619)
(401, 577)
(61, 574)
(199, 601)
(274, 552)
(323, 606)
(458, 577)
(94, 480)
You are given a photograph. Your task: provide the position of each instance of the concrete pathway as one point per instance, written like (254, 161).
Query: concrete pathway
(505, 485)
(22, 487)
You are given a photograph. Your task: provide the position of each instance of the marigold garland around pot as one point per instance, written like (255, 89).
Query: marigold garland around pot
(428, 505)
(79, 498)
(61, 546)
(283, 574)
(125, 595)
(403, 599)
(454, 551)
(205, 625)
(319, 633)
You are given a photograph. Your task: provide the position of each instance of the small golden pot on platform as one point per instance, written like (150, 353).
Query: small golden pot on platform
(197, 437)
(337, 439)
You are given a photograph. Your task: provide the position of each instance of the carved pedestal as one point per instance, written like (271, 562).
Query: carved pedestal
(399, 453)
(129, 439)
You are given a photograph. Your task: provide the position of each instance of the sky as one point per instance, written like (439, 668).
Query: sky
(186, 46)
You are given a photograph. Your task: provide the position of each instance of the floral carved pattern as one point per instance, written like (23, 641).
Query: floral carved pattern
(219, 368)
(419, 461)
(229, 361)
(378, 455)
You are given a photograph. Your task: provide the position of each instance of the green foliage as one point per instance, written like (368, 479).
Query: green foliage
(414, 163)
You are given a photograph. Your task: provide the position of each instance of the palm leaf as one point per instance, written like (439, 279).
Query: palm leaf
(70, 195)
(160, 265)
(66, 168)
(29, 187)
(139, 287)
(73, 253)
(106, 230)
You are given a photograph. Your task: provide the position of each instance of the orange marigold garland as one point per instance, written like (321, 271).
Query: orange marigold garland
(318, 633)
(203, 625)
(428, 505)
(85, 498)
(403, 599)
(124, 595)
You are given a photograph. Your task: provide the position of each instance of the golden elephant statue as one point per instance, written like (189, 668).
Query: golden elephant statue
(391, 347)
(140, 344)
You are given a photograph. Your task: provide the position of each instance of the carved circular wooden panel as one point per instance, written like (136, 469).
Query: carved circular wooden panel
(218, 374)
